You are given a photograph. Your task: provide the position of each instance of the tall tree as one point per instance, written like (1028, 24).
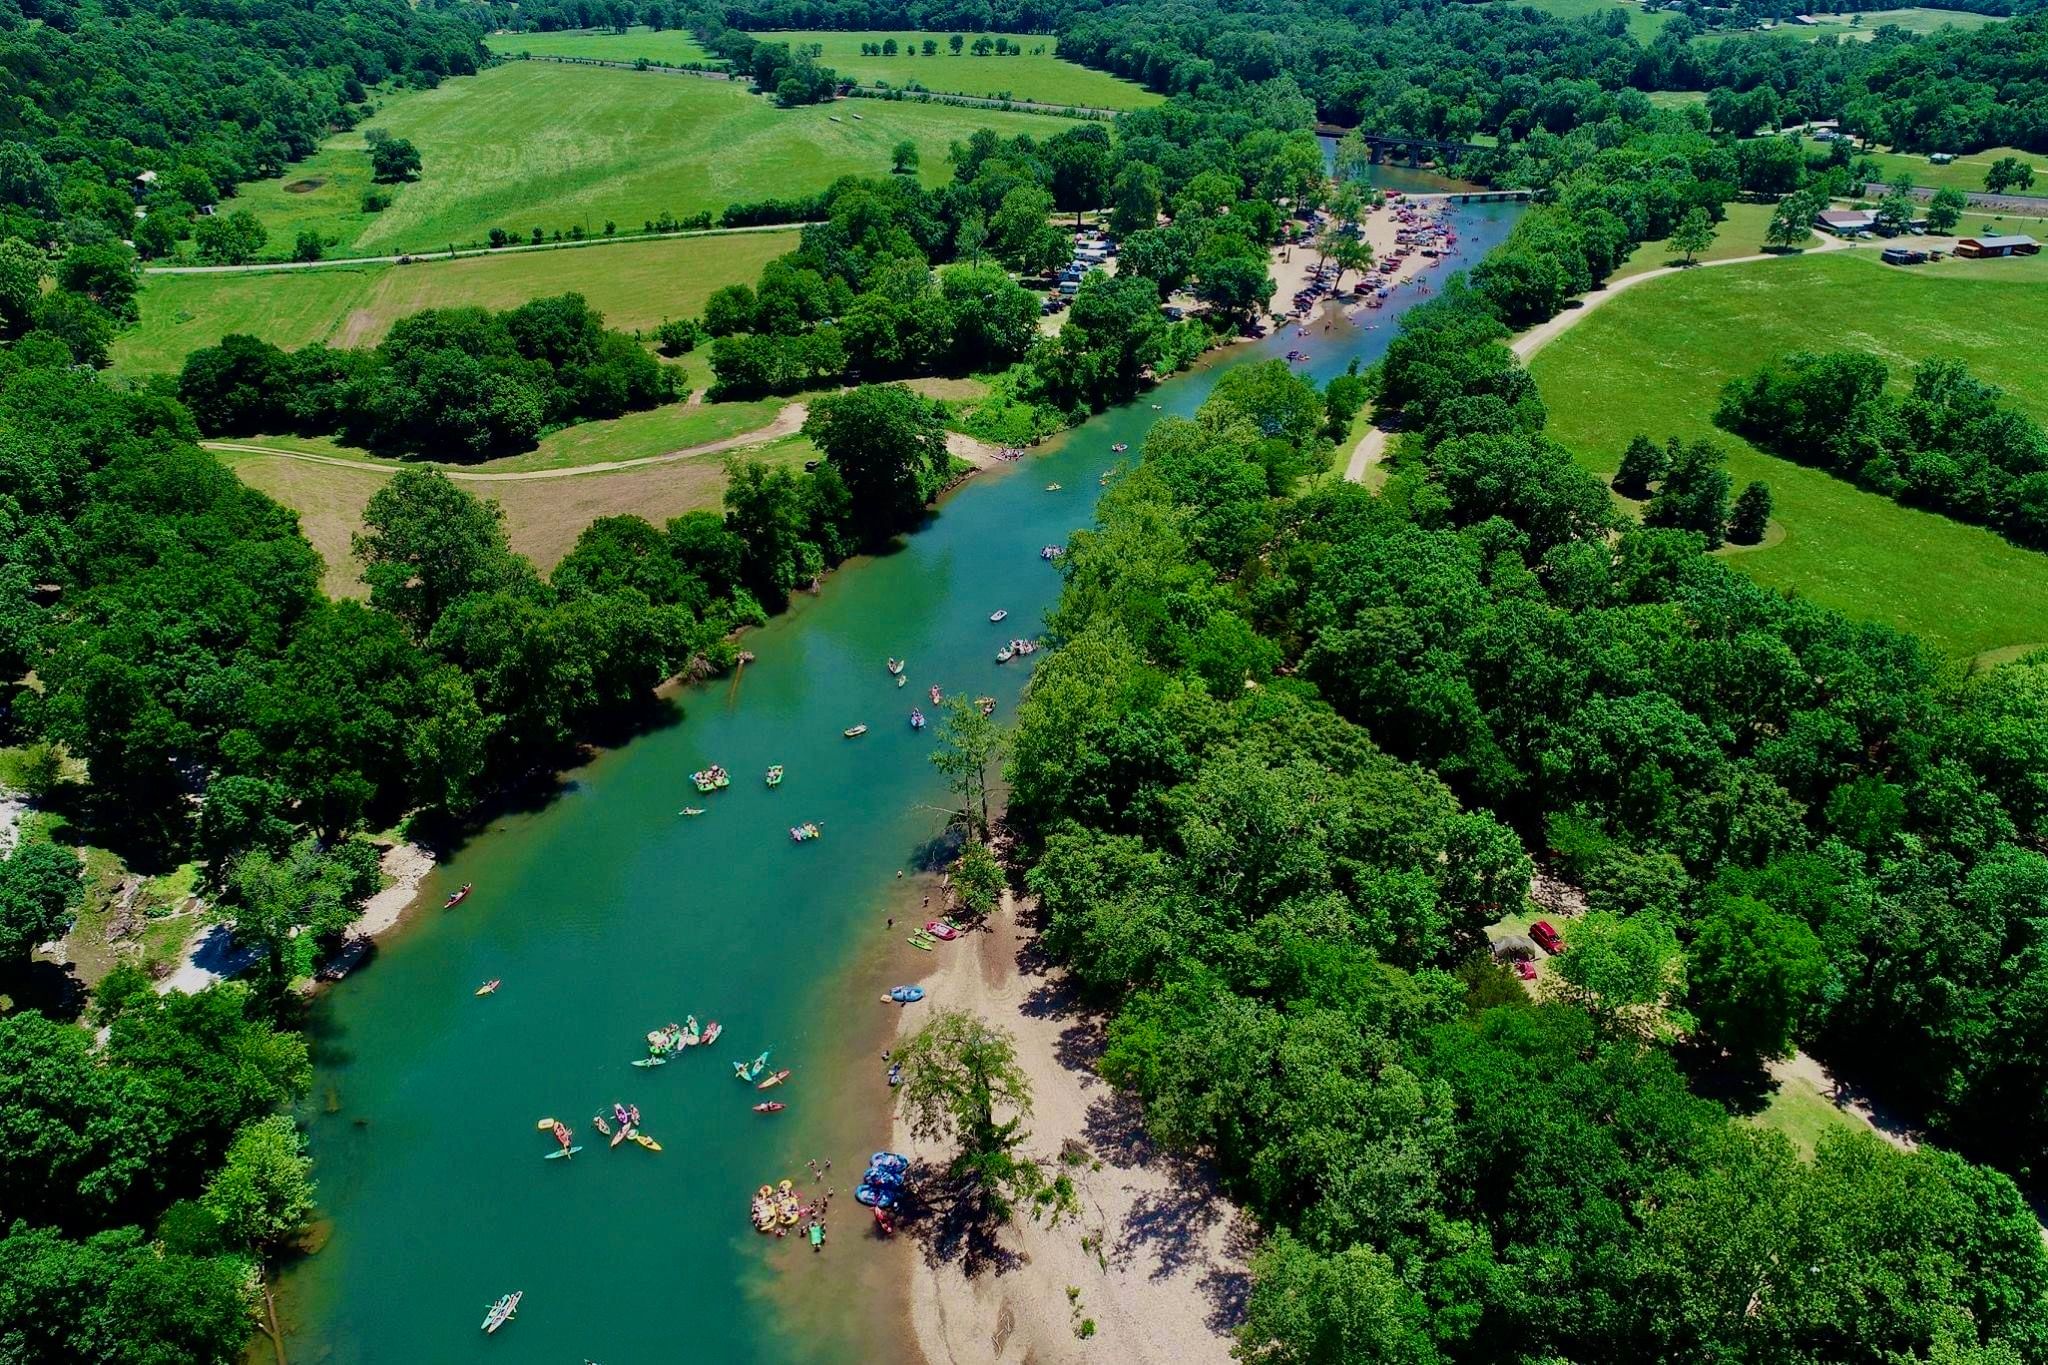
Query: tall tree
(962, 1084)
(970, 747)
(427, 543)
(889, 446)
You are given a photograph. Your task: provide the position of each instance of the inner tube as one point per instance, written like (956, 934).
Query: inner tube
(785, 1187)
(764, 1192)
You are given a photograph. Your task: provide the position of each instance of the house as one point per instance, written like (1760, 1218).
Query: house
(1845, 222)
(1979, 248)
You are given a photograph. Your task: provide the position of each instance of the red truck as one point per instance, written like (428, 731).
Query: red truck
(1546, 937)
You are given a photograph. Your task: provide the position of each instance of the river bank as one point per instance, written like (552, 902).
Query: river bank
(1158, 1257)
(605, 914)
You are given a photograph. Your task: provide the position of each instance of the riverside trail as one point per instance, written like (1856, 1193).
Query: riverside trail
(606, 914)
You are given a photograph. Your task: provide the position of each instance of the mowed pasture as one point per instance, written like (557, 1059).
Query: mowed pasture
(1644, 23)
(543, 517)
(1655, 360)
(674, 46)
(636, 285)
(1866, 24)
(1035, 74)
(1966, 172)
(543, 145)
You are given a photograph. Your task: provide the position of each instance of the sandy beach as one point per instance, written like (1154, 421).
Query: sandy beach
(1290, 265)
(407, 865)
(1158, 1258)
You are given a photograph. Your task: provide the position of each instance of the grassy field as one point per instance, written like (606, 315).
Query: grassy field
(1966, 172)
(536, 144)
(672, 45)
(1914, 20)
(1676, 99)
(1655, 360)
(1739, 233)
(637, 285)
(1643, 23)
(542, 517)
(1035, 75)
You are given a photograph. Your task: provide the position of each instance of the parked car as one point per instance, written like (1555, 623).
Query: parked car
(1547, 938)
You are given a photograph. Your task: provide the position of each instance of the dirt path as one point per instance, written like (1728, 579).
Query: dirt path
(1372, 447)
(463, 253)
(1162, 1270)
(786, 423)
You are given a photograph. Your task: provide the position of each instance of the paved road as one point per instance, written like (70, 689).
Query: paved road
(442, 254)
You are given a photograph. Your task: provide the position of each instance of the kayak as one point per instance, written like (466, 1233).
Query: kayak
(1002, 615)
(920, 941)
(854, 731)
(775, 1078)
(895, 666)
(770, 1107)
(652, 1061)
(458, 896)
(711, 1032)
(604, 1129)
(625, 1131)
(748, 1071)
(503, 1311)
(645, 1141)
(488, 986)
(692, 810)
(566, 1151)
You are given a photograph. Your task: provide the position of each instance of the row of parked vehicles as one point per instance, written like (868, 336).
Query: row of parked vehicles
(1092, 250)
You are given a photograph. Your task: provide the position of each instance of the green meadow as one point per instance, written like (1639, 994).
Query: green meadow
(1035, 74)
(1861, 28)
(1655, 360)
(541, 145)
(672, 45)
(1966, 172)
(635, 284)
(1644, 23)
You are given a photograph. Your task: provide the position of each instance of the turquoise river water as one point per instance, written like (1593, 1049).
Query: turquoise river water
(606, 915)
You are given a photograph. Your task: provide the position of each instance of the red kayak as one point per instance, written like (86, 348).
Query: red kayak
(771, 1107)
(882, 1221)
(457, 897)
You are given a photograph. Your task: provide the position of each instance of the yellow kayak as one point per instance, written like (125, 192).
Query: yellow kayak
(645, 1141)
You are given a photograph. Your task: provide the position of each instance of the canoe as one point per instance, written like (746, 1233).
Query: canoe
(503, 1311)
(603, 1128)
(488, 986)
(457, 897)
(776, 1078)
(770, 1107)
(645, 1141)
(854, 731)
(625, 1131)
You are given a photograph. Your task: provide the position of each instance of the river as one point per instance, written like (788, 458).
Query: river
(606, 915)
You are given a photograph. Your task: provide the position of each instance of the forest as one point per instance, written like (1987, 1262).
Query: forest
(1279, 776)
(447, 383)
(1949, 443)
